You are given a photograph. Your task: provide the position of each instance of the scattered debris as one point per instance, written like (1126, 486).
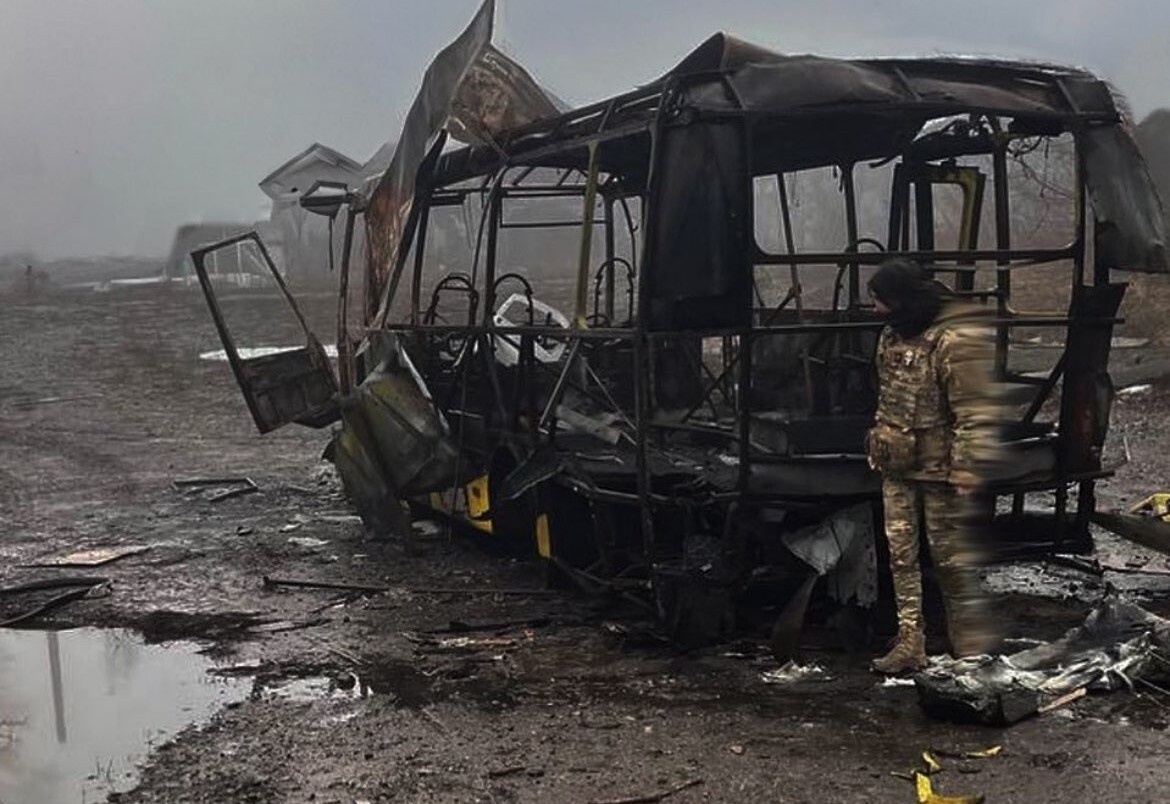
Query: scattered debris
(511, 770)
(78, 588)
(1118, 643)
(466, 643)
(738, 750)
(425, 527)
(1135, 389)
(649, 798)
(923, 785)
(95, 557)
(52, 400)
(282, 626)
(459, 627)
(1148, 531)
(472, 590)
(984, 753)
(1139, 564)
(792, 673)
(896, 681)
(345, 587)
(926, 794)
(1091, 566)
(307, 542)
(1157, 505)
(1080, 692)
(377, 590)
(482, 643)
(228, 487)
(340, 519)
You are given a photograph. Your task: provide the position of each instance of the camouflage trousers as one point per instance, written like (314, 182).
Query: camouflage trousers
(909, 506)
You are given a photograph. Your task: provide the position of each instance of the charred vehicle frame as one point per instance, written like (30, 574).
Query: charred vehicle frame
(672, 435)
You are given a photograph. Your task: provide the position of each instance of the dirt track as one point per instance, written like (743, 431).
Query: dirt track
(104, 402)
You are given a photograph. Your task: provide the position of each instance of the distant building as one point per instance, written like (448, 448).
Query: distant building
(304, 236)
(242, 260)
(1153, 136)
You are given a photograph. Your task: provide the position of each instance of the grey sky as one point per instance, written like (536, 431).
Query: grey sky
(121, 119)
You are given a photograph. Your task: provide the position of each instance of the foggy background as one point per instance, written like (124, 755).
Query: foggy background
(123, 119)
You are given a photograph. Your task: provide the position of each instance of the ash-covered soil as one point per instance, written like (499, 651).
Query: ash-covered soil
(467, 680)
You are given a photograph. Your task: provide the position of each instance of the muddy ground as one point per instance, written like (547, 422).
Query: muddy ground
(104, 403)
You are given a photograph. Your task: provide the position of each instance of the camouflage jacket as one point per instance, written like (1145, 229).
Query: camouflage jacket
(936, 415)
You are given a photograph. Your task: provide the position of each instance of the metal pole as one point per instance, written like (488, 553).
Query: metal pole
(495, 216)
(851, 234)
(1003, 242)
(419, 259)
(642, 388)
(610, 281)
(345, 367)
(587, 237)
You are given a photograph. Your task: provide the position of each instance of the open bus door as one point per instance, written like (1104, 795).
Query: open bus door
(296, 385)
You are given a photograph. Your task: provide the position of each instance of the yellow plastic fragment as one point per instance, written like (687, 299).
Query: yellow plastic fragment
(926, 794)
(1156, 504)
(986, 753)
(932, 765)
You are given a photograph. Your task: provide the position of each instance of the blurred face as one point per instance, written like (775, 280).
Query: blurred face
(879, 305)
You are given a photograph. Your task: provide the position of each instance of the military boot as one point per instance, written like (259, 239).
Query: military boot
(907, 655)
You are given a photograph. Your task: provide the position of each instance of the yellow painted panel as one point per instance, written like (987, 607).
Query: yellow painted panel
(543, 537)
(478, 503)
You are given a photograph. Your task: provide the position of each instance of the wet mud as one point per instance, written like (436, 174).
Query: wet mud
(438, 690)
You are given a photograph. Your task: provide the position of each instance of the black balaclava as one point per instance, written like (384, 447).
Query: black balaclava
(913, 297)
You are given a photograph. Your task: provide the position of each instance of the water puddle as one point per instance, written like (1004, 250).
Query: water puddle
(81, 709)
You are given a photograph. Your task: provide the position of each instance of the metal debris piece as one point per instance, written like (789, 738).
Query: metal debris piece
(231, 487)
(1063, 700)
(85, 587)
(307, 542)
(460, 627)
(1148, 531)
(53, 400)
(373, 589)
(586, 424)
(346, 587)
(204, 482)
(932, 764)
(896, 681)
(1155, 505)
(986, 753)
(792, 673)
(95, 557)
(983, 753)
(1118, 643)
(649, 798)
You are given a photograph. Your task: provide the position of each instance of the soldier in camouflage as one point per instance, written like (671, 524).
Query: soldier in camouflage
(932, 441)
